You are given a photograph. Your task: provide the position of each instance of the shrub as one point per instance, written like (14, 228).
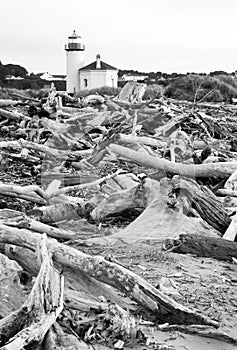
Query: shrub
(194, 87)
(105, 90)
(153, 91)
(14, 94)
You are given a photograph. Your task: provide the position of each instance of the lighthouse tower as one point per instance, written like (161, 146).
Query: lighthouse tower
(74, 61)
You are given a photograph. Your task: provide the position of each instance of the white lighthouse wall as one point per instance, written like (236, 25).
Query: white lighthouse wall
(74, 62)
(95, 79)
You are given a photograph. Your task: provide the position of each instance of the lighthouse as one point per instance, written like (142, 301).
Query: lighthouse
(74, 61)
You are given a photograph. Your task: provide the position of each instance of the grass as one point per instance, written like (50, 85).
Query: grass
(105, 90)
(195, 87)
(153, 91)
(8, 93)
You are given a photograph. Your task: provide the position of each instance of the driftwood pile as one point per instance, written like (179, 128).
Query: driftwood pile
(100, 170)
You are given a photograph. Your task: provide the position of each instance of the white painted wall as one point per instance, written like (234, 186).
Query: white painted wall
(74, 61)
(96, 79)
(112, 78)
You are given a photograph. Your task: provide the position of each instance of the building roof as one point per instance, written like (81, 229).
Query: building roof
(103, 66)
(12, 77)
(51, 77)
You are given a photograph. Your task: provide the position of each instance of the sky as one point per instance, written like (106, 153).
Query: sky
(146, 35)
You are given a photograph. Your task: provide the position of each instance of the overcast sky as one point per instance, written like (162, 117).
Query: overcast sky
(146, 35)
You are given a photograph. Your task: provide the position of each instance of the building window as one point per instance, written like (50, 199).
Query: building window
(85, 83)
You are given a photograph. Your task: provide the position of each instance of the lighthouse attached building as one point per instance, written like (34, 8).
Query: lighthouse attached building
(95, 75)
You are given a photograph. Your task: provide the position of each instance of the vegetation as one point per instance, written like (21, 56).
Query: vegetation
(12, 70)
(153, 91)
(218, 86)
(193, 87)
(9, 93)
(32, 81)
(105, 90)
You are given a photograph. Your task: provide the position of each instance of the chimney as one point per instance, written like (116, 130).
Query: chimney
(98, 62)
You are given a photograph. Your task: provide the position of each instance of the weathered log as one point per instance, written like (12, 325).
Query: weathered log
(28, 197)
(172, 124)
(205, 202)
(122, 192)
(226, 192)
(159, 221)
(56, 338)
(31, 322)
(85, 185)
(10, 115)
(57, 212)
(67, 179)
(163, 307)
(132, 92)
(12, 296)
(52, 152)
(117, 202)
(211, 247)
(142, 140)
(83, 301)
(213, 143)
(202, 331)
(112, 106)
(25, 190)
(32, 193)
(26, 98)
(40, 227)
(93, 98)
(77, 283)
(219, 170)
(231, 231)
(4, 103)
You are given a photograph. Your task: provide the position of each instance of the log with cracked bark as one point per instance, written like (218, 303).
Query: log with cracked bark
(29, 324)
(210, 247)
(231, 231)
(163, 307)
(205, 202)
(81, 291)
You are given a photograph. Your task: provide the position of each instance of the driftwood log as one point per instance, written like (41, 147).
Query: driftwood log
(10, 115)
(57, 212)
(79, 187)
(205, 202)
(226, 192)
(27, 197)
(29, 324)
(66, 179)
(231, 231)
(163, 307)
(217, 170)
(52, 152)
(22, 221)
(202, 331)
(210, 247)
(81, 291)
